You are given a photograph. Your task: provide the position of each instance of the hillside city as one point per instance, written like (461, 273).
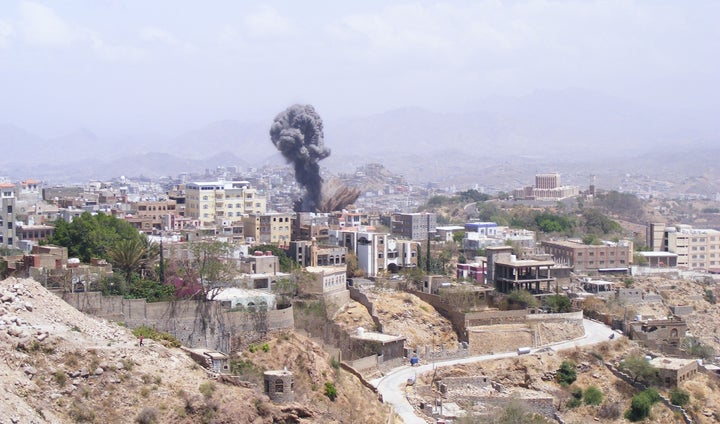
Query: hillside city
(411, 303)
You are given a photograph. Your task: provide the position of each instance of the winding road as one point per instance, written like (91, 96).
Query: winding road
(392, 385)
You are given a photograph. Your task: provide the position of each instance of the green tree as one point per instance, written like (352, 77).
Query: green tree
(558, 303)
(330, 390)
(567, 373)
(639, 368)
(679, 397)
(473, 195)
(519, 299)
(694, 347)
(91, 236)
(353, 268)
(590, 239)
(458, 236)
(641, 404)
(128, 256)
(593, 396)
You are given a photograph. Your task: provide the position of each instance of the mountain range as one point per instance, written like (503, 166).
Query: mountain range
(541, 132)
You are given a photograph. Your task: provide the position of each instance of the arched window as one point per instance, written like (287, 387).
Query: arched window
(674, 333)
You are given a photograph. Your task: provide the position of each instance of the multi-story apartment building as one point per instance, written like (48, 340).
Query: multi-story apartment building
(221, 202)
(376, 252)
(150, 216)
(696, 248)
(269, 228)
(414, 226)
(590, 257)
(7, 215)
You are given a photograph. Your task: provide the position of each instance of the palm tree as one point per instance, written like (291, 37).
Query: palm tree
(129, 255)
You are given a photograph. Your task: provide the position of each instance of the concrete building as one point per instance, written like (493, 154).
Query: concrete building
(696, 249)
(605, 257)
(269, 228)
(7, 216)
(222, 201)
(328, 279)
(309, 253)
(151, 216)
(414, 226)
(376, 252)
(673, 371)
(547, 187)
(447, 233)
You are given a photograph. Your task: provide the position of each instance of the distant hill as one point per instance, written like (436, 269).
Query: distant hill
(498, 139)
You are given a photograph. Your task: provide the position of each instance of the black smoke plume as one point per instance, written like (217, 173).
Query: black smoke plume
(298, 133)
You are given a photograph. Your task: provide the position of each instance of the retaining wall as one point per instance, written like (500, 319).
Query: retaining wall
(194, 323)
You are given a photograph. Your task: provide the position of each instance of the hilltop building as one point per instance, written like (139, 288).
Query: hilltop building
(547, 187)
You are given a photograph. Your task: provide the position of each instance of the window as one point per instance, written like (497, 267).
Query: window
(9, 210)
(279, 386)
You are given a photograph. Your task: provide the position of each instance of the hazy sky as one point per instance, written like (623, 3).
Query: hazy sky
(166, 66)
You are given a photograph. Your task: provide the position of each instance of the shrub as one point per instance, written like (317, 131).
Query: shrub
(252, 348)
(60, 378)
(207, 388)
(166, 339)
(265, 347)
(566, 374)
(593, 396)
(576, 399)
(147, 416)
(334, 363)
(641, 404)
(330, 390)
(679, 397)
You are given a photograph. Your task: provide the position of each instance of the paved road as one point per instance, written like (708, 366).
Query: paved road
(392, 385)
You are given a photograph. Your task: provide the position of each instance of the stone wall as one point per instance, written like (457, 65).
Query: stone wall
(456, 318)
(194, 323)
(532, 331)
(499, 338)
(360, 297)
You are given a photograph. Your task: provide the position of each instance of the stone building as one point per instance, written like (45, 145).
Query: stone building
(658, 333)
(673, 371)
(280, 385)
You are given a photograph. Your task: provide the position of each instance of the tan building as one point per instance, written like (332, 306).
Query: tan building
(269, 228)
(221, 202)
(547, 187)
(697, 249)
(7, 216)
(151, 216)
(590, 257)
(673, 371)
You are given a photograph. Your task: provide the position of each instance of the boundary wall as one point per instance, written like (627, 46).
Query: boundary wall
(194, 323)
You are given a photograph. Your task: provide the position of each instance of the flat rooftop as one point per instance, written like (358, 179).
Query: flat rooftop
(670, 363)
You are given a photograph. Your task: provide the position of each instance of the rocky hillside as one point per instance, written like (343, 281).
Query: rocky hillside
(59, 365)
(401, 314)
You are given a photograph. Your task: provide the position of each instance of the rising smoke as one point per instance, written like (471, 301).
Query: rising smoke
(297, 133)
